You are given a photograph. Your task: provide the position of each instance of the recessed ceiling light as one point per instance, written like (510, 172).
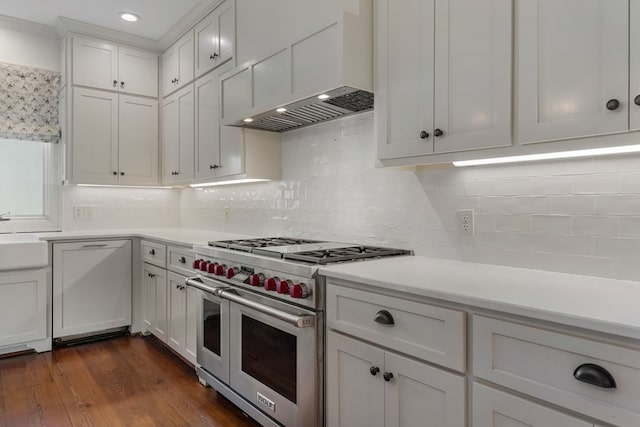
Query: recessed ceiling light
(281, 110)
(248, 120)
(323, 96)
(129, 17)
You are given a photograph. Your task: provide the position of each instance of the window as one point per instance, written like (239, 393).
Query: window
(28, 188)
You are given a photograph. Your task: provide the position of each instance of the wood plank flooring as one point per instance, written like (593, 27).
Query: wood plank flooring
(128, 381)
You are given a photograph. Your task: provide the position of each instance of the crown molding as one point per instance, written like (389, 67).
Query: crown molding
(184, 24)
(65, 25)
(35, 28)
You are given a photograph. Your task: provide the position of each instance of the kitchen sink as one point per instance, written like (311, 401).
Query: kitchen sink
(22, 251)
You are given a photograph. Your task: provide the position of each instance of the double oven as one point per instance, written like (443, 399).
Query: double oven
(261, 324)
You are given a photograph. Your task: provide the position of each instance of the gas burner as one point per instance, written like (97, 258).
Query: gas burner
(345, 254)
(248, 245)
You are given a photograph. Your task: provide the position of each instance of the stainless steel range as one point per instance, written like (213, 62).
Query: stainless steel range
(261, 323)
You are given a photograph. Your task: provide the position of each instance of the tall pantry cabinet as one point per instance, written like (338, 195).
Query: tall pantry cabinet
(111, 129)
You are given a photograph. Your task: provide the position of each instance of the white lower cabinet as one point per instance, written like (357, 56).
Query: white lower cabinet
(91, 286)
(23, 311)
(169, 307)
(154, 294)
(493, 408)
(368, 386)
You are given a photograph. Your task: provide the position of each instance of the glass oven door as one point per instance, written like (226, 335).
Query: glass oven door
(275, 364)
(213, 336)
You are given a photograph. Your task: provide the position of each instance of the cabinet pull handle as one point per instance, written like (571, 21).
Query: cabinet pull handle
(122, 173)
(182, 260)
(152, 252)
(438, 132)
(613, 104)
(151, 275)
(636, 100)
(213, 166)
(115, 83)
(424, 134)
(122, 84)
(374, 370)
(594, 375)
(213, 56)
(95, 245)
(114, 173)
(384, 317)
(388, 376)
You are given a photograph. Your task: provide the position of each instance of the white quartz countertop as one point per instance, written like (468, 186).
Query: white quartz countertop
(604, 305)
(173, 236)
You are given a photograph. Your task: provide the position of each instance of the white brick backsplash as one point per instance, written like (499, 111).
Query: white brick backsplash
(573, 205)
(628, 204)
(551, 224)
(595, 226)
(576, 216)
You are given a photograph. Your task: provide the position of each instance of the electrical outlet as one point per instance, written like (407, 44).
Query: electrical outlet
(465, 222)
(82, 212)
(227, 212)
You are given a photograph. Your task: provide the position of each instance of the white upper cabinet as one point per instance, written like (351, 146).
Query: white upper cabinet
(573, 68)
(177, 64)
(215, 38)
(443, 76)
(178, 136)
(115, 138)
(104, 65)
(634, 113)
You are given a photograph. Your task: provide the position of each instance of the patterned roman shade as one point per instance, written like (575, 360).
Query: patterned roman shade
(28, 103)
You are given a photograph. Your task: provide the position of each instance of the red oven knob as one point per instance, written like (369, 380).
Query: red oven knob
(271, 283)
(232, 271)
(196, 264)
(204, 265)
(282, 287)
(256, 279)
(219, 270)
(211, 267)
(299, 290)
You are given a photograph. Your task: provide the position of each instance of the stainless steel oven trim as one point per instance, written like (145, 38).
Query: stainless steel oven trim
(308, 369)
(225, 292)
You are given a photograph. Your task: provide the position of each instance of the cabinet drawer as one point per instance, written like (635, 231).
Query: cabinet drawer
(427, 332)
(154, 253)
(542, 363)
(180, 260)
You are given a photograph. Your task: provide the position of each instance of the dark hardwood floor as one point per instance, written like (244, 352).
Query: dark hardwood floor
(128, 381)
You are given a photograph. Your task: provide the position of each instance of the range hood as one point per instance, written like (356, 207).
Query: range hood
(324, 75)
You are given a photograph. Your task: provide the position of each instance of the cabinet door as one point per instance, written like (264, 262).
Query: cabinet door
(472, 74)
(95, 63)
(207, 137)
(215, 38)
(91, 286)
(23, 307)
(191, 339)
(177, 313)
(177, 64)
(493, 408)
(95, 136)
(137, 72)
(419, 394)
(178, 136)
(355, 396)
(405, 73)
(138, 140)
(634, 61)
(573, 59)
(150, 277)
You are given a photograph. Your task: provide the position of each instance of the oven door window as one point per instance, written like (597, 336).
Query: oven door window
(212, 328)
(270, 356)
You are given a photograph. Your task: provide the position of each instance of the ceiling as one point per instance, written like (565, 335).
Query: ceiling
(157, 16)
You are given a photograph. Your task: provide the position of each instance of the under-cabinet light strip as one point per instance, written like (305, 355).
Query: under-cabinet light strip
(122, 186)
(550, 156)
(235, 181)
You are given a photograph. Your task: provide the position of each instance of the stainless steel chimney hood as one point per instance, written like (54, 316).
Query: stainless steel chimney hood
(325, 75)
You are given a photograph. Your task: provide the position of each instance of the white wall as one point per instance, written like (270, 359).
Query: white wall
(32, 49)
(579, 216)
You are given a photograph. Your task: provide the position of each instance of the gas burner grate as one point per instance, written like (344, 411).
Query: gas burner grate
(248, 245)
(353, 253)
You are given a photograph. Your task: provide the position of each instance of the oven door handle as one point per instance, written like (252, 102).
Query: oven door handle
(302, 321)
(195, 282)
